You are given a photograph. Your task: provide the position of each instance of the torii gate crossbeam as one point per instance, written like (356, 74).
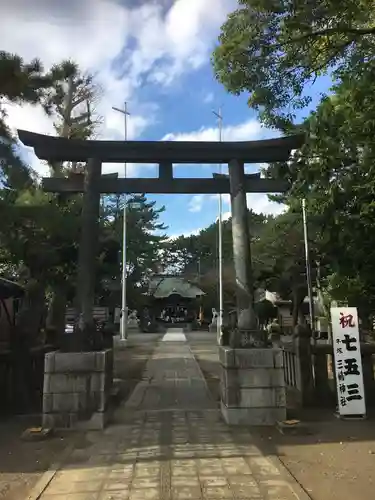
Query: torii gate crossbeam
(166, 154)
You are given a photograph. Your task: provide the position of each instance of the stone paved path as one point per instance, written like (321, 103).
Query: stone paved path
(172, 380)
(168, 442)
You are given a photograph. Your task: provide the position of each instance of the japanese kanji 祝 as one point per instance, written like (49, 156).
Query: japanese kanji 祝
(346, 320)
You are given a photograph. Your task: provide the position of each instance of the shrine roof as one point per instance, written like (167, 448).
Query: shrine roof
(162, 287)
(62, 149)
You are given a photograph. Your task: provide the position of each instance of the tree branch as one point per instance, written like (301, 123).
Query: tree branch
(333, 31)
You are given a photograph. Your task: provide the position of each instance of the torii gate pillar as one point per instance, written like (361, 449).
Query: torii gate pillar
(246, 333)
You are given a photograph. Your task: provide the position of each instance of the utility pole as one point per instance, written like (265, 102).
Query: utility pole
(221, 305)
(308, 269)
(124, 309)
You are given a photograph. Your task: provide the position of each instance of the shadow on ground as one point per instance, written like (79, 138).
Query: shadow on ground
(23, 462)
(332, 460)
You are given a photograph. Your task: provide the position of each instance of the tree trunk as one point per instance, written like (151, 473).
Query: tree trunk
(31, 316)
(55, 323)
(29, 323)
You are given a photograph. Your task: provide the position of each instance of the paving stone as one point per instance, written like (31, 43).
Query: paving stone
(277, 490)
(189, 481)
(147, 471)
(179, 454)
(208, 482)
(236, 466)
(121, 470)
(70, 476)
(72, 496)
(61, 487)
(182, 463)
(116, 484)
(145, 482)
(125, 458)
(243, 481)
(189, 470)
(186, 493)
(114, 495)
(217, 492)
(211, 471)
(245, 492)
(263, 467)
(142, 494)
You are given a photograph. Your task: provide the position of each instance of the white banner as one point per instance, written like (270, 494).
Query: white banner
(348, 362)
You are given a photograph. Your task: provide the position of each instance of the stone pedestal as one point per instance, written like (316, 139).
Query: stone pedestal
(252, 386)
(133, 327)
(212, 327)
(77, 389)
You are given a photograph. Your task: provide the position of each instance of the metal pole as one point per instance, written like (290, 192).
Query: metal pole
(308, 269)
(124, 310)
(221, 300)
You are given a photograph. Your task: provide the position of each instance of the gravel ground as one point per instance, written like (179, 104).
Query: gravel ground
(333, 460)
(22, 463)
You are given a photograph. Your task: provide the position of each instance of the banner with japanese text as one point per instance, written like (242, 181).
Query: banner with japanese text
(348, 362)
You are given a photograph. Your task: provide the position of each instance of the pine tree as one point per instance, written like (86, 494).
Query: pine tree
(20, 83)
(145, 235)
(73, 106)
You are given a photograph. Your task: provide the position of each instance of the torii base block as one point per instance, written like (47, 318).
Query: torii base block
(77, 389)
(252, 386)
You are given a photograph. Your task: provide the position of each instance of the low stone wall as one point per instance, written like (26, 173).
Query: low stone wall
(77, 389)
(252, 386)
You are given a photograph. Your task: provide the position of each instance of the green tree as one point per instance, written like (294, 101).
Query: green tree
(145, 236)
(196, 257)
(22, 82)
(335, 172)
(279, 259)
(270, 49)
(32, 238)
(73, 106)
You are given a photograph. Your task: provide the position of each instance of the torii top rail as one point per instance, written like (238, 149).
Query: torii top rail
(165, 154)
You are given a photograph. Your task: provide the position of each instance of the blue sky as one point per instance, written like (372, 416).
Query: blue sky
(193, 113)
(155, 55)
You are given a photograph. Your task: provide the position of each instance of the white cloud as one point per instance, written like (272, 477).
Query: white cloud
(259, 203)
(196, 203)
(224, 216)
(123, 43)
(208, 98)
(246, 131)
(192, 232)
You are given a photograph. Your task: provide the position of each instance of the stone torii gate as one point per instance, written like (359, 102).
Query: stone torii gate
(165, 154)
(253, 386)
